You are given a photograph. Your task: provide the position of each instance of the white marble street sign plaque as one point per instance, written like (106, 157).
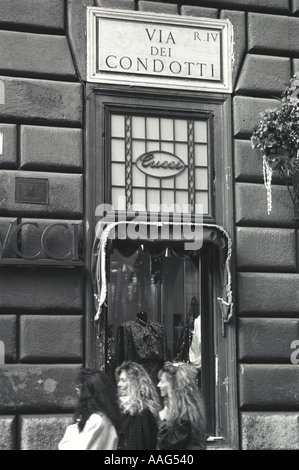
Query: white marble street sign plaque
(159, 50)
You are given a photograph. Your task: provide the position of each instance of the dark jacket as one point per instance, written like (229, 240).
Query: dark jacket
(139, 432)
(178, 437)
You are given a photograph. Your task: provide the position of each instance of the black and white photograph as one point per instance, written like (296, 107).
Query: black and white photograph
(149, 227)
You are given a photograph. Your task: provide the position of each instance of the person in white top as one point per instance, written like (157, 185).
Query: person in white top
(97, 416)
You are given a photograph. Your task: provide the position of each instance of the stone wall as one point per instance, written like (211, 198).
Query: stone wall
(43, 68)
(41, 305)
(266, 43)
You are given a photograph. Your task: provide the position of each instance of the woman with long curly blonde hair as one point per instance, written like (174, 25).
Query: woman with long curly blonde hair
(139, 404)
(182, 420)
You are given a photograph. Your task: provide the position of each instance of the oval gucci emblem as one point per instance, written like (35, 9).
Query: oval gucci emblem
(159, 164)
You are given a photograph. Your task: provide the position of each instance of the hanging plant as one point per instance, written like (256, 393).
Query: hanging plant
(277, 138)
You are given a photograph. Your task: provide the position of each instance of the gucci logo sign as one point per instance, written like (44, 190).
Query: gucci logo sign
(159, 164)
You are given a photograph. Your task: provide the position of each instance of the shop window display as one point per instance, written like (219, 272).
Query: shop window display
(156, 300)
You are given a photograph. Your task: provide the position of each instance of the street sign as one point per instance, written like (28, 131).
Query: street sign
(159, 50)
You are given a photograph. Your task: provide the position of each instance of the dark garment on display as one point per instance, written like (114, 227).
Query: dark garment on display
(178, 437)
(139, 432)
(142, 316)
(144, 343)
(182, 353)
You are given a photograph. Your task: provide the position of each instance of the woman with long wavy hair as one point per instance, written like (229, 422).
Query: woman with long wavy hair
(140, 405)
(97, 415)
(182, 420)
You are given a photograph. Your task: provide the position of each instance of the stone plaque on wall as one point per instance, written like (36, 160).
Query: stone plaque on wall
(32, 190)
(159, 50)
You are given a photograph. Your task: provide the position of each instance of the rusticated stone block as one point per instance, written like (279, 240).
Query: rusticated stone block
(266, 249)
(272, 294)
(46, 388)
(41, 290)
(33, 13)
(119, 4)
(268, 387)
(247, 114)
(8, 156)
(251, 205)
(51, 149)
(53, 239)
(148, 6)
(51, 338)
(43, 432)
(7, 433)
(264, 75)
(295, 7)
(270, 431)
(295, 63)
(76, 21)
(202, 12)
(261, 5)
(42, 101)
(267, 339)
(52, 194)
(279, 5)
(38, 55)
(248, 162)
(6, 227)
(8, 334)
(238, 20)
(267, 33)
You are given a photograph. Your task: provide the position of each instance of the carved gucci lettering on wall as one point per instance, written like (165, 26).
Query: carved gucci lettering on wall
(159, 164)
(42, 241)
